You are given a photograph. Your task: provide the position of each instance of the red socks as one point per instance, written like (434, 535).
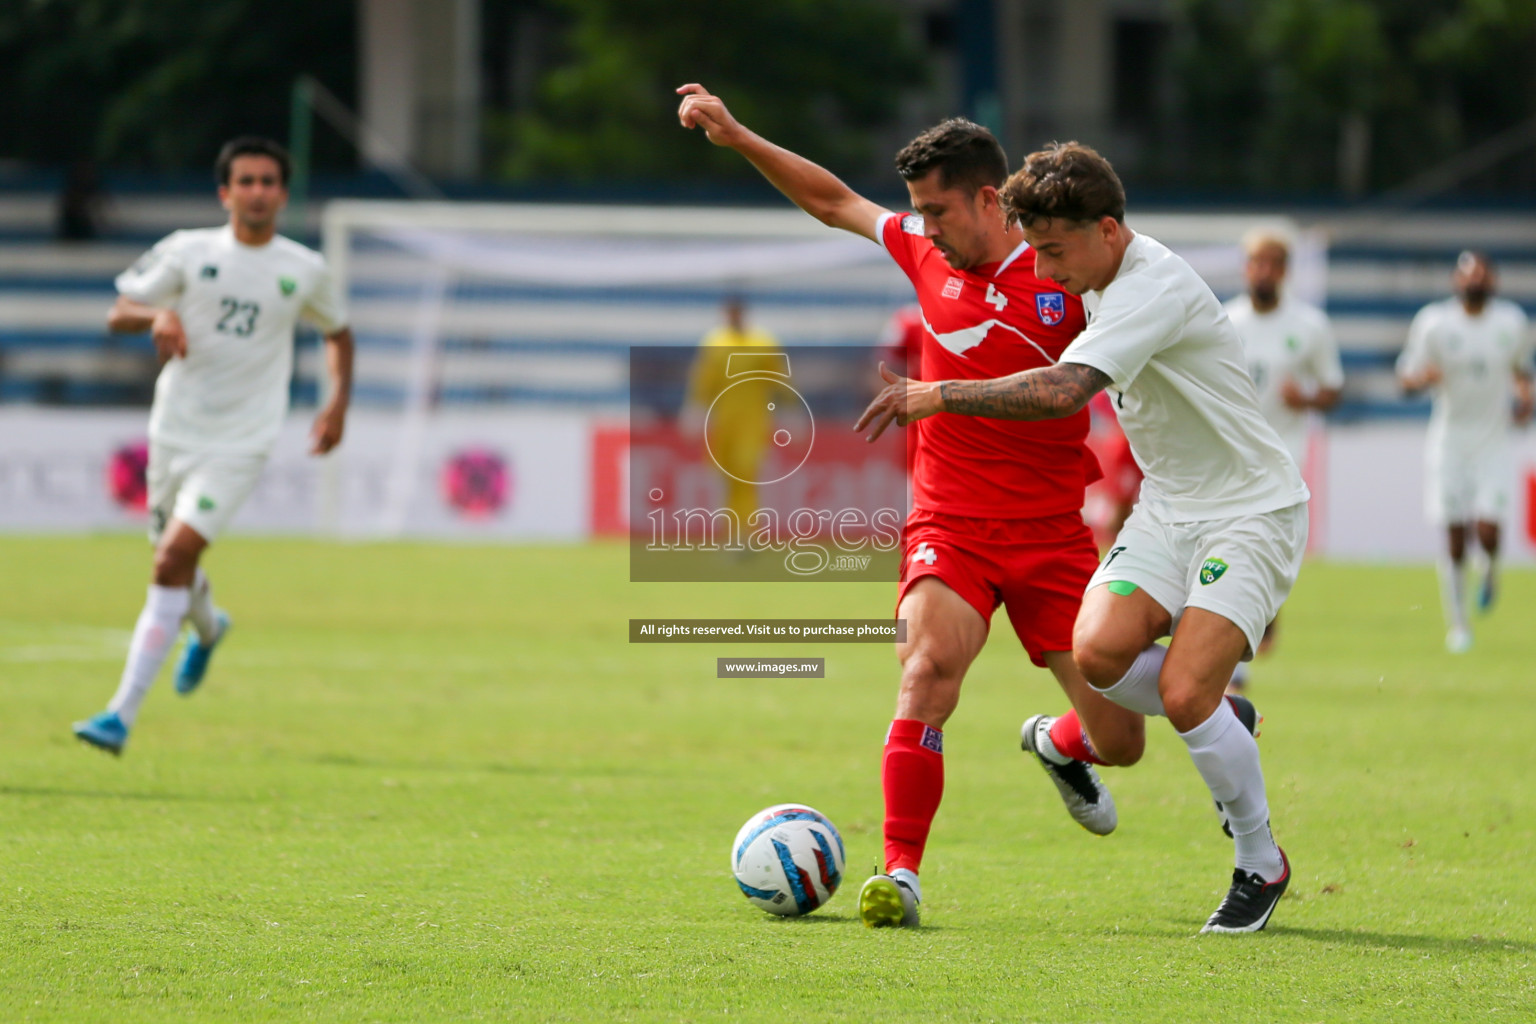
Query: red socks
(1068, 736)
(913, 778)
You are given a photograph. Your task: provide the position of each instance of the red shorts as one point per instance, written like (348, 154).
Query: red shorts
(1037, 568)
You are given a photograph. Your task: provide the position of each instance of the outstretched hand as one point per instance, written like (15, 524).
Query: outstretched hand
(702, 109)
(902, 400)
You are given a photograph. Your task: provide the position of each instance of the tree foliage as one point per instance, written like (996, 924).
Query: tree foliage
(161, 83)
(1269, 86)
(816, 76)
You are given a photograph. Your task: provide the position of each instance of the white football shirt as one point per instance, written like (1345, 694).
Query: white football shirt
(1183, 394)
(239, 305)
(1292, 341)
(1478, 357)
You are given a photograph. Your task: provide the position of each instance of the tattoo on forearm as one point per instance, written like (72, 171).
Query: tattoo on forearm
(1044, 394)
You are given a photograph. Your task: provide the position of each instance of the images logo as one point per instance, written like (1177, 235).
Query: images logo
(729, 477)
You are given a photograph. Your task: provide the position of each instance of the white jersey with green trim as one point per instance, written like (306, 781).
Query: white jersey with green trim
(1478, 357)
(239, 305)
(1293, 342)
(1182, 392)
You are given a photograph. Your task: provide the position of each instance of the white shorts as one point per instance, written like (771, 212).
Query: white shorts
(1242, 569)
(1463, 485)
(202, 489)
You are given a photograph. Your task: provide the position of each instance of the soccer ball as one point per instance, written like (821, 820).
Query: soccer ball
(788, 859)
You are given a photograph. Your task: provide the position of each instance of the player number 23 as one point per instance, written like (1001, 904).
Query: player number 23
(239, 317)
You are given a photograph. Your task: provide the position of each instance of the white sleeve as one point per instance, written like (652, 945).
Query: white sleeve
(1128, 329)
(1525, 345)
(1324, 362)
(325, 308)
(1419, 352)
(158, 277)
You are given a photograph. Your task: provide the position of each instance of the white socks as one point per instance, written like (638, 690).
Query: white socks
(153, 636)
(1137, 689)
(201, 612)
(1227, 758)
(1453, 592)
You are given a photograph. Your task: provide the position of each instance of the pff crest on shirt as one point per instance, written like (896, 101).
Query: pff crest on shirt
(1051, 307)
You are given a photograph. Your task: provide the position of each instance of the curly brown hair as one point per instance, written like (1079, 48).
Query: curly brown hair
(966, 154)
(1066, 181)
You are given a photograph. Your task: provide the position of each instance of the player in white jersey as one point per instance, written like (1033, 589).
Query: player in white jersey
(1292, 358)
(1292, 355)
(1475, 352)
(1215, 542)
(221, 305)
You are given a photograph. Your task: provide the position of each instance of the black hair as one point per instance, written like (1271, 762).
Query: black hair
(966, 155)
(252, 145)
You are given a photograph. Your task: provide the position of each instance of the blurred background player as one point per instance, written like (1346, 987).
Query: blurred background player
(901, 343)
(1111, 498)
(1216, 540)
(997, 507)
(1474, 350)
(1292, 358)
(739, 428)
(221, 304)
(902, 340)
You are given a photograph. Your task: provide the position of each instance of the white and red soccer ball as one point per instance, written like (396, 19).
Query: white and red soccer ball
(788, 859)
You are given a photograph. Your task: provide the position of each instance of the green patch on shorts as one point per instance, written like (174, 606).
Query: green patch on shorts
(205, 504)
(1124, 588)
(1211, 571)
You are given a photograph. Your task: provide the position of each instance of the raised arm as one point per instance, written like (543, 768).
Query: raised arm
(1048, 393)
(811, 187)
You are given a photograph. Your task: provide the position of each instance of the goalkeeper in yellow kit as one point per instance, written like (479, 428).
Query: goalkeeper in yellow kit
(732, 400)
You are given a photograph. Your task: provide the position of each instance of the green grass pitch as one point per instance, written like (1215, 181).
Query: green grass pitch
(434, 783)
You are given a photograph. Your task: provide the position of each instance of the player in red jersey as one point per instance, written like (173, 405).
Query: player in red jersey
(902, 343)
(997, 504)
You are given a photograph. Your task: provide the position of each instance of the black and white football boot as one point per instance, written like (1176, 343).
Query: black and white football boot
(1081, 789)
(1249, 902)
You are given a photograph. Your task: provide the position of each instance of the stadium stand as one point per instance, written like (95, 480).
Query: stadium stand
(54, 348)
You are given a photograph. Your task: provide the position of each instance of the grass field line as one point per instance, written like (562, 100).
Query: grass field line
(58, 643)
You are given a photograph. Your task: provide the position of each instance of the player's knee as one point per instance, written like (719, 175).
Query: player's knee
(929, 691)
(1101, 661)
(173, 567)
(1187, 706)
